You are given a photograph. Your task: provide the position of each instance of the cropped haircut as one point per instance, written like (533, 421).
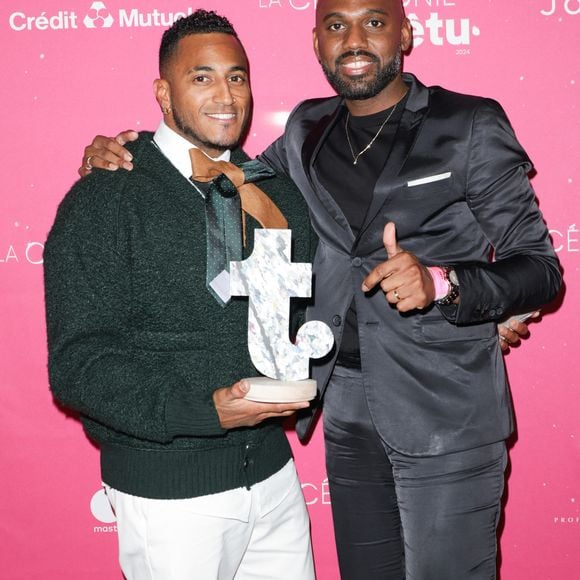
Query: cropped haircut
(199, 22)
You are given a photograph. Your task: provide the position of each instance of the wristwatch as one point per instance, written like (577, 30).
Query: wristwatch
(453, 281)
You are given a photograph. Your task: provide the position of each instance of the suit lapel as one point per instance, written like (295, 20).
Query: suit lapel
(405, 137)
(316, 137)
(312, 144)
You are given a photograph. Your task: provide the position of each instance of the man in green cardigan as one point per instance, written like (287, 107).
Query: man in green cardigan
(201, 479)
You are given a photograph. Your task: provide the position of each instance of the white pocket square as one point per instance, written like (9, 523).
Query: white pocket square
(429, 179)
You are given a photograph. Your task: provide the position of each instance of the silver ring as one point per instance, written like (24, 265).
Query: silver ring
(88, 162)
(396, 295)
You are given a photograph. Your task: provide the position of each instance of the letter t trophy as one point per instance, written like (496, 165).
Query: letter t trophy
(270, 279)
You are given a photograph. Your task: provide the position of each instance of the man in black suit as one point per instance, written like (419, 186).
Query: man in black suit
(416, 406)
(429, 234)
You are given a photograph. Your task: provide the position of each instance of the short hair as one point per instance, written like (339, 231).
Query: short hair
(199, 22)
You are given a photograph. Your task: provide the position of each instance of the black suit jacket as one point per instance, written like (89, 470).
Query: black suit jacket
(456, 185)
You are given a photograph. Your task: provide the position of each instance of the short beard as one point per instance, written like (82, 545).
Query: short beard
(360, 90)
(186, 130)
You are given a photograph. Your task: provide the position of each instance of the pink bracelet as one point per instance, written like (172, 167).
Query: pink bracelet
(439, 281)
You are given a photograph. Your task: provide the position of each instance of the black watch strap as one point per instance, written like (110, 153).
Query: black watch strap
(453, 287)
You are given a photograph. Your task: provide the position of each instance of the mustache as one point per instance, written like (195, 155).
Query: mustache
(355, 53)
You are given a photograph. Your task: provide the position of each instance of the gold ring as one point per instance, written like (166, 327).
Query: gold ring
(396, 295)
(88, 162)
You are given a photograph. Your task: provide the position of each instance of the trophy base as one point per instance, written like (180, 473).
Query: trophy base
(266, 390)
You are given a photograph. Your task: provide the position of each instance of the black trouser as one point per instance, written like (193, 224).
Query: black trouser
(395, 516)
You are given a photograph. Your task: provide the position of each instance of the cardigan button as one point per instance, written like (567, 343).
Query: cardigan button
(357, 262)
(336, 320)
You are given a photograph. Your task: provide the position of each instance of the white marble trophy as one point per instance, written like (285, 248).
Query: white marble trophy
(270, 279)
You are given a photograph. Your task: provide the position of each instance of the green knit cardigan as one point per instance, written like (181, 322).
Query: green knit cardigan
(137, 345)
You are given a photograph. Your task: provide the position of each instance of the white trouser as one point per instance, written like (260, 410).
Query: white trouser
(257, 534)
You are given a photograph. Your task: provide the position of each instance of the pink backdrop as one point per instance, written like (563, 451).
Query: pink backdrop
(73, 68)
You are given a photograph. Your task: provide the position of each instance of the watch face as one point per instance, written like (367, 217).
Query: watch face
(453, 277)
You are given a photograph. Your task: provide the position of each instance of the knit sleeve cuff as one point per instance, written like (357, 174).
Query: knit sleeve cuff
(192, 414)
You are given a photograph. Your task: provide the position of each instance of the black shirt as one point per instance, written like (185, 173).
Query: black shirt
(352, 186)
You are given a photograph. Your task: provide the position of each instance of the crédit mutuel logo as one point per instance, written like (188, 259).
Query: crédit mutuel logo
(95, 16)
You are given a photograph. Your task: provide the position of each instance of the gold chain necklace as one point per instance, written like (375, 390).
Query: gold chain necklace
(355, 156)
